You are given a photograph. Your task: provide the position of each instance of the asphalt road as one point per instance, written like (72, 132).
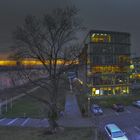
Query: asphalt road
(128, 121)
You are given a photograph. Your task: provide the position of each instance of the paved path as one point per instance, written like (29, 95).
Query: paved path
(72, 110)
(82, 122)
(72, 116)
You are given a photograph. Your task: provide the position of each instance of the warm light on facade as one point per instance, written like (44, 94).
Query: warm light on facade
(135, 75)
(132, 67)
(106, 62)
(108, 69)
(100, 38)
(81, 82)
(101, 91)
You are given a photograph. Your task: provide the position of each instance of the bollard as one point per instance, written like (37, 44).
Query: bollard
(6, 109)
(0, 108)
(11, 103)
(24, 115)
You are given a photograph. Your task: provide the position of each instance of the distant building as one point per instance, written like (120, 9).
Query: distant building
(105, 62)
(135, 71)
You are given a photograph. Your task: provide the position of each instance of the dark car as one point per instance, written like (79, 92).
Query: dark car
(118, 107)
(96, 109)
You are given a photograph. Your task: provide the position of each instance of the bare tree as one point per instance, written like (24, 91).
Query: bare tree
(52, 42)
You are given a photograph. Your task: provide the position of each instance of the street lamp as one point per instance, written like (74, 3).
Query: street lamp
(89, 106)
(70, 81)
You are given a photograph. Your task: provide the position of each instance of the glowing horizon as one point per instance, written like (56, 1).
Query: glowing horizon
(34, 62)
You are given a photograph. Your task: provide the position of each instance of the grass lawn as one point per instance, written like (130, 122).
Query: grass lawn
(15, 133)
(30, 107)
(26, 106)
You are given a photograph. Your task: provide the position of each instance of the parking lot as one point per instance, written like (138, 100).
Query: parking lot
(128, 121)
(24, 122)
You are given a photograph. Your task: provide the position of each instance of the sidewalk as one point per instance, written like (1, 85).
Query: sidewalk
(73, 117)
(72, 110)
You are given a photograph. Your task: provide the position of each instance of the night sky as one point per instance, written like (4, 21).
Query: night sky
(116, 15)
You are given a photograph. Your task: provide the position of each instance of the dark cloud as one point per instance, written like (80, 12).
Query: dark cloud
(117, 15)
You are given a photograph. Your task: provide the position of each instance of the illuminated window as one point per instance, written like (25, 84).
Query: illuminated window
(100, 38)
(105, 69)
(132, 67)
(124, 59)
(97, 92)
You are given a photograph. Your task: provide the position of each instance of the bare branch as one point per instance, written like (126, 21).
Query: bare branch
(50, 41)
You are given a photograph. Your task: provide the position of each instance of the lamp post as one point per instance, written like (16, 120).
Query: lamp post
(6, 109)
(70, 81)
(89, 106)
(0, 107)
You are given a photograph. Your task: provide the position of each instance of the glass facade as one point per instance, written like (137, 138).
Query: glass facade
(108, 66)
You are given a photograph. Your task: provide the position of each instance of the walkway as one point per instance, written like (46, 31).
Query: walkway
(72, 110)
(73, 117)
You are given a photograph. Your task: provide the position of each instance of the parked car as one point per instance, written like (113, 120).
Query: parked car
(114, 132)
(118, 107)
(96, 109)
(136, 103)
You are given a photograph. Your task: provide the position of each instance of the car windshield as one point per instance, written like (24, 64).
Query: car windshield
(119, 105)
(117, 134)
(138, 102)
(97, 108)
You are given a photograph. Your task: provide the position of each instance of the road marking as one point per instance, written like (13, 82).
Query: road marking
(137, 128)
(25, 122)
(117, 113)
(33, 89)
(9, 123)
(2, 119)
(128, 111)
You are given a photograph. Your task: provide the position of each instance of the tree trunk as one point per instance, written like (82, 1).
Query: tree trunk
(96, 134)
(53, 116)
